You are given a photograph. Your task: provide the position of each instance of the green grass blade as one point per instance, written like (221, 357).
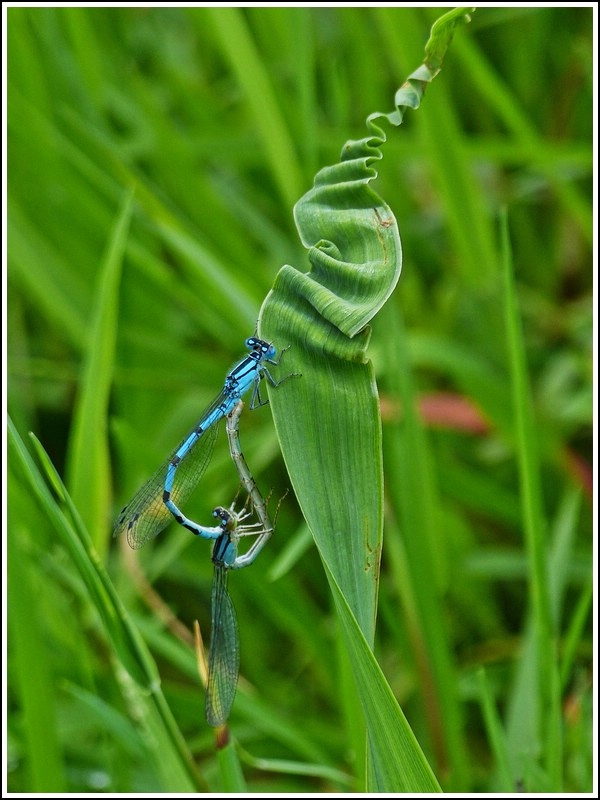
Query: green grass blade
(562, 536)
(421, 571)
(34, 688)
(545, 685)
(76, 540)
(495, 733)
(237, 44)
(141, 681)
(574, 633)
(398, 763)
(37, 277)
(232, 777)
(332, 775)
(88, 460)
(499, 99)
(119, 727)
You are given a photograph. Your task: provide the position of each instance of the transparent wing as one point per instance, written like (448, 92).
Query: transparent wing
(224, 653)
(146, 515)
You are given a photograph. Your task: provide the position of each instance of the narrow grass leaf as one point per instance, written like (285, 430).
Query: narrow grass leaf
(416, 504)
(233, 33)
(88, 460)
(140, 677)
(35, 687)
(575, 632)
(534, 523)
(498, 98)
(495, 733)
(329, 774)
(109, 719)
(399, 763)
(232, 776)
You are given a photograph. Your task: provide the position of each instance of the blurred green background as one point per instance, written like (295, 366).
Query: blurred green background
(218, 119)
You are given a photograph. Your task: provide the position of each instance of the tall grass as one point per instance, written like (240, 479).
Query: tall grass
(154, 159)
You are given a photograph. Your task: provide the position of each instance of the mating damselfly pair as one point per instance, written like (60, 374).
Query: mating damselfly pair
(159, 500)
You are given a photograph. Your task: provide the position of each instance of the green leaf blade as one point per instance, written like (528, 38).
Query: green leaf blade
(397, 761)
(88, 465)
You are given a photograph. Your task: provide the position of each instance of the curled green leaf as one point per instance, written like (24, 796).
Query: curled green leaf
(328, 420)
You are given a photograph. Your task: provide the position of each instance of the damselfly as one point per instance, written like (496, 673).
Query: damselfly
(224, 651)
(159, 499)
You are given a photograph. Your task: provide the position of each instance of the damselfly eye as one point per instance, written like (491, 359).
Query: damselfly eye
(222, 515)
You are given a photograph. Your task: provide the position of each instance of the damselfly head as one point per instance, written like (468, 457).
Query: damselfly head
(227, 520)
(264, 349)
